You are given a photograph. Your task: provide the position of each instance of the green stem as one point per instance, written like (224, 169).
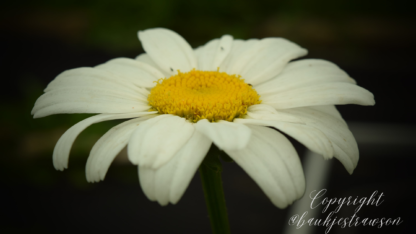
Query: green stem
(210, 171)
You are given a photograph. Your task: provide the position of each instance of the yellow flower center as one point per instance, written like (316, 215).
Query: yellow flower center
(196, 95)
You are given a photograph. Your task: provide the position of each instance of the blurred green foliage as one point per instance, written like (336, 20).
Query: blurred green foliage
(112, 25)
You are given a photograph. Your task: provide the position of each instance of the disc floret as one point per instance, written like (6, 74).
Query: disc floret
(197, 95)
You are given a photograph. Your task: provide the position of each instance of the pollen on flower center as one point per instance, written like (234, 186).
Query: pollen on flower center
(197, 95)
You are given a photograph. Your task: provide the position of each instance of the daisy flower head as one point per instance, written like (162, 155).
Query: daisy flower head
(228, 92)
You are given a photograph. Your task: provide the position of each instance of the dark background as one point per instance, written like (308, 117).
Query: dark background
(373, 41)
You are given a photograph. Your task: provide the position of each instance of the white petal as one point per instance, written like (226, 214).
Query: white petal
(155, 141)
(330, 110)
(108, 147)
(211, 55)
(92, 77)
(226, 135)
(273, 163)
(262, 108)
(238, 56)
(333, 93)
(324, 132)
(232, 55)
(259, 61)
(90, 90)
(336, 130)
(163, 180)
(169, 182)
(263, 111)
(86, 100)
(312, 82)
(168, 50)
(63, 147)
(312, 138)
(147, 182)
(145, 58)
(191, 156)
(303, 73)
(138, 73)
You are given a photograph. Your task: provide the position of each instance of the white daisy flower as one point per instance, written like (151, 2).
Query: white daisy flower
(228, 92)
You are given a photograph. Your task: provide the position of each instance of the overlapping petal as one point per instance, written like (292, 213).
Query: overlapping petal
(168, 50)
(63, 147)
(312, 82)
(341, 138)
(304, 73)
(335, 93)
(260, 60)
(145, 58)
(330, 110)
(108, 147)
(273, 163)
(262, 111)
(323, 132)
(224, 134)
(156, 141)
(92, 77)
(211, 55)
(169, 182)
(136, 72)
(89, 90)
(312, 138)
(84, 101)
